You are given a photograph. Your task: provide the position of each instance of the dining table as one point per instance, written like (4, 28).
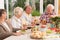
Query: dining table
(26, 36)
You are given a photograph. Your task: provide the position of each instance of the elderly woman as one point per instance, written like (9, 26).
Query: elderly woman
(27, 15)
(49, 12)
(5, 27)
(16, 20)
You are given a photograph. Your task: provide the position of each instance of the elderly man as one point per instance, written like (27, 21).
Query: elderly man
(49, 12)
(16, 19)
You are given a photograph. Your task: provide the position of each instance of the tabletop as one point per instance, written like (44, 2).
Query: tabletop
(27, 37)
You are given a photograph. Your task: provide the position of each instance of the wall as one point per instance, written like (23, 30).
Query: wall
(59, 7)
(1, 4)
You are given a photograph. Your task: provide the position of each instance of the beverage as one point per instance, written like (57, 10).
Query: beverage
(28, 27)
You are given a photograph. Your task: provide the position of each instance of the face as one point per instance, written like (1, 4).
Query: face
(49, 9)
(19, 14)
(4, 15)
(28, 10)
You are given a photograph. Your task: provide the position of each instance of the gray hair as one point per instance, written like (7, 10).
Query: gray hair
(17, 9)
(50, 5)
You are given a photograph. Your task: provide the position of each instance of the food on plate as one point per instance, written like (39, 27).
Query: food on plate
(53, 29)
(36, 34)
(58, 31)
(23, 31)
(49, 31)
(34, 29)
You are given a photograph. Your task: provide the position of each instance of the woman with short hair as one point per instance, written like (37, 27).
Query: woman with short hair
(49, 12)
(6, 29)
(16, 20)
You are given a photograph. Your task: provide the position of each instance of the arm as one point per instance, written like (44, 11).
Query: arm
(14, 25)
(16, 29)
(3, 33)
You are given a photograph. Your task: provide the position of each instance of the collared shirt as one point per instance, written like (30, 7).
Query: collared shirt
(16, 23)
(27, 18)
(45, 16)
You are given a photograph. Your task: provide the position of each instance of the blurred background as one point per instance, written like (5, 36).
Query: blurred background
(38, 6)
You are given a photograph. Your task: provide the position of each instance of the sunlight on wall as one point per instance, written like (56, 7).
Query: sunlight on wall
(1, 4)
(59, 7)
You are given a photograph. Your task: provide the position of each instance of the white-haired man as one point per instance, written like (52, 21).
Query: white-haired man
(49, 12)
(16, 19)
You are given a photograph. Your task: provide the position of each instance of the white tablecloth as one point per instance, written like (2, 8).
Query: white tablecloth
(27, 37)
(21, 37)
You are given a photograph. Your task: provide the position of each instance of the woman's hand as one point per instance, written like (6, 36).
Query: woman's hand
(24, 27)
(17, 33)
(33, 23)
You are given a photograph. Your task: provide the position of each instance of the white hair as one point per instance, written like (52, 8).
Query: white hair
(17, 9)
(50, 5)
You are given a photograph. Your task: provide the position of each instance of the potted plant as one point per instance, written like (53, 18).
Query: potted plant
(56, 21)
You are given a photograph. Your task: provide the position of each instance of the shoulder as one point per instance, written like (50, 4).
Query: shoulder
(24, 13)
(1, 25)
(12, 19)
(44, 14)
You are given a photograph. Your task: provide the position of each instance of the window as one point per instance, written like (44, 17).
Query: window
(36, 7)
(46, 2)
